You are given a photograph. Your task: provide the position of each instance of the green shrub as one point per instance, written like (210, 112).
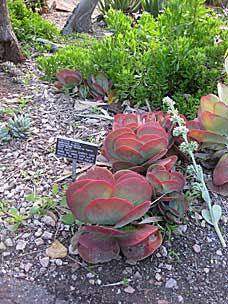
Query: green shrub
(28, 25)
(174, 55)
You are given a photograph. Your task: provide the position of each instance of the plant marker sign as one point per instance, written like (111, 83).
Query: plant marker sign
(77, 151)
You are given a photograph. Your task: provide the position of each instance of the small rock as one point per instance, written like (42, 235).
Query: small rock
(163, 302)
(47, 235)
(44, 262)
(181, 229)
(58, 262)
(129, 289)
(219, 252)
(171, 283)
(92, 282)
(137, 275)
(21, 244)
(180, 299)
(48, 220)
(2, 246)
(158, 277)
(196, 248)
(27, 267)
(206, 270)
(163, 251)
(99, 282)
(56, 250)
(39, 242)
(90, 275)
(38, 233)
(9, 242)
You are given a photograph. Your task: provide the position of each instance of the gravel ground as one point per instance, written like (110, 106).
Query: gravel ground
(189, 268)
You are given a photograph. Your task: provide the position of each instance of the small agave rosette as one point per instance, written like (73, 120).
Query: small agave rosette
(169, 185)
(211, 129)
(109, 202)
(136, 149)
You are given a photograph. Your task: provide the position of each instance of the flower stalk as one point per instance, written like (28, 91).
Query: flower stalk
(213, 214)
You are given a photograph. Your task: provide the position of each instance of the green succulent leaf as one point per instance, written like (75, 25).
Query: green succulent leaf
(206, 215)
(217, 213)
(68, 219)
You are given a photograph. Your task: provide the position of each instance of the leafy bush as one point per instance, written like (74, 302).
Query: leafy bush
(174, 55)
(126, 6)
(28, 25)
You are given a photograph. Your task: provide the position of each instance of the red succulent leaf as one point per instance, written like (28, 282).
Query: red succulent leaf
(156, 157)
(135, 189)
(107, 211)
(144, 249)
(79, 199)
(109, 146)
(75, 186)
(122, 165)
(214, 123)
(168, 162)
(205, 136)
(221, 109)
(129, 154)
(97, 248)
(125, 120)
(207, 102)
(155, 182)
(124, 174)
(69, 77)
(58, 85)
(153, 147)
(220, 174)
(134, 214)
(130, 142)
(98, 173)
(104, 230)
(152, 129)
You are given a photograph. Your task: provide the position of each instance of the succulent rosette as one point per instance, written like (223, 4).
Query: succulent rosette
(108, 204)
(135, 147)
(169, 185)
(211, 129)
(68, 79)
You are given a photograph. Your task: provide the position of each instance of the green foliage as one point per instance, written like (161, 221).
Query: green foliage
(35, 4)
(20, 126)
(174, 55)
(28, 25)
(126, 6)
(153, 7)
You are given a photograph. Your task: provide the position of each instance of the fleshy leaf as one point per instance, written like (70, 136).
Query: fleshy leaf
(206, 215)
(94, 248)
(98, 173)
(205, 136)
(82, 197)
(220, 174)
(103, 230)
(107, 211)
(207, 102)
(214, 123)
(223, 92)
(221, 109)
(217, 212)
(136, 190)
(134, 214)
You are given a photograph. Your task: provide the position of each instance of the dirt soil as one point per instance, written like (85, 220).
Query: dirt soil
(190, 267)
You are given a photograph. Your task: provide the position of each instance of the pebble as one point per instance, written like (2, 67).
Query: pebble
(171, 283)
(163, 302)
(129, 289)
(44, 262)
(58, 262)
(38, 233)
(56, 250)
(90, 275)
(39, 242)
(92, 282)
(180, 299)
(48, 220)
(2, 246)
(21, 244)
(9, 242)
(27, 267)
(181, 229)
(163, 251)
(196, 248)
(138, 275)
(158, 277)
(47, 235)
(206, 270)
(219, 252)
(99, 282)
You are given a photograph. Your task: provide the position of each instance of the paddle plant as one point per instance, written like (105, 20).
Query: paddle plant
(211, 129)
(68, 79)
(109, 205)
(168, 186)
(135, 144)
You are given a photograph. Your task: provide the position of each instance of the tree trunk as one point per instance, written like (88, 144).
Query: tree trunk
(9, 47)
(80, 20)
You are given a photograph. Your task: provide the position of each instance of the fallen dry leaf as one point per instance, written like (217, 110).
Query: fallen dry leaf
(56, 250)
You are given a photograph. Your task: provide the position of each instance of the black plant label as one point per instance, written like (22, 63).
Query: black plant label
(77, 150)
